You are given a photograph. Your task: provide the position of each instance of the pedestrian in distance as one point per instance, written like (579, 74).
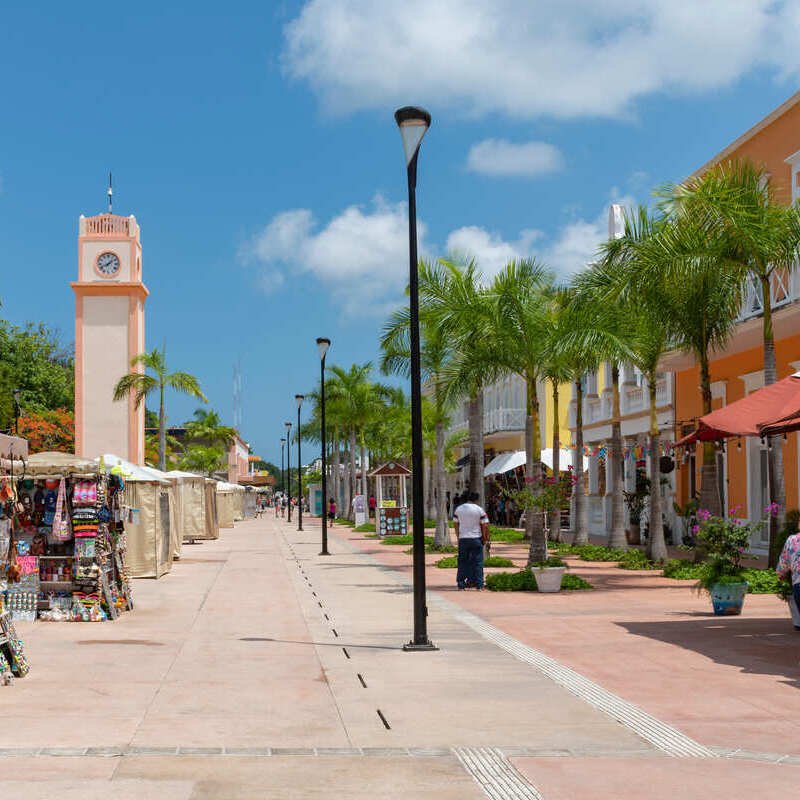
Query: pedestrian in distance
(331, 510)
(472, 530)
(789, 569)
(373, 504)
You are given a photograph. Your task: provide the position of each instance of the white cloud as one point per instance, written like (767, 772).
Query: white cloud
(490, 251)
(361, 254)
(500, 157)
(525, 58)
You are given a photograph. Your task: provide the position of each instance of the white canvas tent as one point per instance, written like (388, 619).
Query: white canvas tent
(508, 461)
(150, 493)
(227, 500)
(212, 509)
(191, 509)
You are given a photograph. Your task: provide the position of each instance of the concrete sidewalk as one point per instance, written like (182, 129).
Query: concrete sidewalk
(258, 669)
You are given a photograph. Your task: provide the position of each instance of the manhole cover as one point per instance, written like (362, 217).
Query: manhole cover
(140, 642)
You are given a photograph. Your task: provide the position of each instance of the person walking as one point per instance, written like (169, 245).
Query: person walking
(331, 511)
(373, 504)
(789, 569)
(472, 530)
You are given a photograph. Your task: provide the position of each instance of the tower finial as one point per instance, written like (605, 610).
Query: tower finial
(110, 194)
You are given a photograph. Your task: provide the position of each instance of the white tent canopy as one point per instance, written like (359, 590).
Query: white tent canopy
(131, 471)
(508, 461)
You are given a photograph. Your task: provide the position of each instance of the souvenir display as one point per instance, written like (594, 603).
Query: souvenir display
(393, 521)
(65, 543)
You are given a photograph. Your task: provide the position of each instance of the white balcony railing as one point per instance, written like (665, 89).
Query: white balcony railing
(783, 289)
(504, 419)
(633, 399)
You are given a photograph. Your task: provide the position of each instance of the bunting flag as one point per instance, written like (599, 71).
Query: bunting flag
(638, 452)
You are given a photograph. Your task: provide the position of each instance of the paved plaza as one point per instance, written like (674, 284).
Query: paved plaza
(257, 669)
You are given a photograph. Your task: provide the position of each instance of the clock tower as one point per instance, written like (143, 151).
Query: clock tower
(109, 332)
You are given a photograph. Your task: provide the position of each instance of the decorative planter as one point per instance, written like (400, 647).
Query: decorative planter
(728, 598)
(548, 579)
(633, 534)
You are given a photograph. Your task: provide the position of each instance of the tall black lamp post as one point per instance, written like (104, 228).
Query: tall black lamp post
(283, 474)
(299, 400)
(288, 426)
(322, 346)
(17, 410)
(414, 124)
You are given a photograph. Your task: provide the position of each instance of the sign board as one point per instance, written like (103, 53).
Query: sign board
(360, 509)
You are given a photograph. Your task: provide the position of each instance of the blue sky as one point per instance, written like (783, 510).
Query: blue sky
(256, 146)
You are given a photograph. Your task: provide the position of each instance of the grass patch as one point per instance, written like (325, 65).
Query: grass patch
(367, 527)
(370, 535)
(636, 559)
(523, 581)
(344, 521)
(407, 539)
(506, 534)
(681, 570)
(431, 523)
(451, 562)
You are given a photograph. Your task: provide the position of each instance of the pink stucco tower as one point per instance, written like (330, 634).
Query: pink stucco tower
(109, 332)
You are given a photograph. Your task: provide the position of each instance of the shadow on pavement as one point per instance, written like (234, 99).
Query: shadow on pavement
(320, 644)
(759, 646)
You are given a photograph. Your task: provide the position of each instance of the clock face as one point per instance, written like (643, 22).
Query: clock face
(108, 264)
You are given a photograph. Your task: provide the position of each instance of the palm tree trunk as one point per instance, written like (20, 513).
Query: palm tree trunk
(534, 519)
(777, 485)
(616, 536)
(430, 505)
(709, 485)
(162, 431)
(352, 482)
(581, 524)
(476, 446)
(656, 547)
(442, 535)
(363, 466)
(337, 476)
(555, 514)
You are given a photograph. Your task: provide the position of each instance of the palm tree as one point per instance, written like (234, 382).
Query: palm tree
(520, 293)
(643, 303)
(207, 428)
(360, 401)
(606, 333)
(435, 353)
(203, 459)
(762, 239)
(702, 297)
(140, 384)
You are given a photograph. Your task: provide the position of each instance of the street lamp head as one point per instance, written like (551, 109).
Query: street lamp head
(283, 442)
(322, 346)
(288, 427)
(17, 395)
(413, 123)
(299, 400)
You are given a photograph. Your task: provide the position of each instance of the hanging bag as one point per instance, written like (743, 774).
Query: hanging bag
(61, 528)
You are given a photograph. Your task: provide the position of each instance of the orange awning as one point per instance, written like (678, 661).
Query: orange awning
(772, 410)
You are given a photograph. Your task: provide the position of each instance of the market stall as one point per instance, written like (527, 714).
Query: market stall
(149, 531)
(212, 509)
(390, 480)
(226, 503)
(191, 505)
(68, 540)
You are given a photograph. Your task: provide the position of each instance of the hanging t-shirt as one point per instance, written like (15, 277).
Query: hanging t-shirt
(470, 516)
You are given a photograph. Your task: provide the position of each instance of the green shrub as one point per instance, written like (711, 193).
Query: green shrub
(597, 552)
(523, 581)
(563, 548)
(451, 562)
(367, 527)
(506, 534)
(681, 570)
(573, 582)
(764, 581)
(550, 561)
(636, 559)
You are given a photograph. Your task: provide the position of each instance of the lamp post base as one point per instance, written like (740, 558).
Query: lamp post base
(413, 647)
(324, 553)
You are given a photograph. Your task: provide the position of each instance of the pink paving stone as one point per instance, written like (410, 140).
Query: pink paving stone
(658, 778)
(727, 682)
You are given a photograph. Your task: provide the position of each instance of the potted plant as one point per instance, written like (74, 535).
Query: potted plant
(548, 574)
(636, 502)
(724, 541)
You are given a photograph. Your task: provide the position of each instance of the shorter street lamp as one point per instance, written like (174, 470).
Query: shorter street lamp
(288, 426)
(322, 346)
(299, 400)
(283, 473)
(17, 410)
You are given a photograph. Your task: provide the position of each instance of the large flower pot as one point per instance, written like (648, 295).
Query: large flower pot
(633, 533)
(728, 598)
(548, 579)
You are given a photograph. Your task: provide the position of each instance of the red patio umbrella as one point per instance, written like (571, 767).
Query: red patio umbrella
(772, 410)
